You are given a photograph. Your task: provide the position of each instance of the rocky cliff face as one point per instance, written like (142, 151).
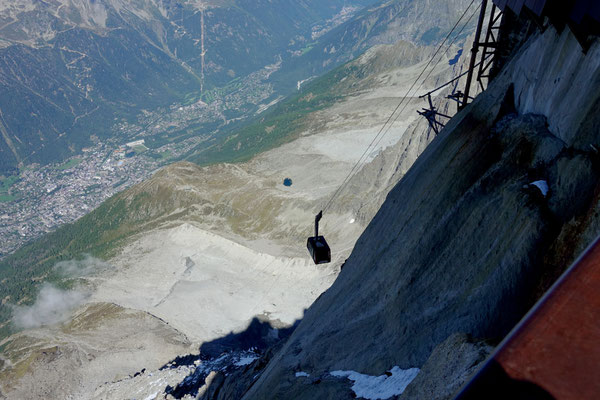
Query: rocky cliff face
(498, 204)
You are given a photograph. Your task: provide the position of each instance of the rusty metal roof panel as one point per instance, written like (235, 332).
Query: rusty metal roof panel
(553, 353)
(558, 347)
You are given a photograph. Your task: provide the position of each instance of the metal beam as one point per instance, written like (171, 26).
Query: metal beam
(474, 52)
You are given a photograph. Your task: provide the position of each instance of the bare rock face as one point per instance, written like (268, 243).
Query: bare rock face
(448, 367)
(465, 239)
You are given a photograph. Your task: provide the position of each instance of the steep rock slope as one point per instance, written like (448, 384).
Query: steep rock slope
(464, 242)
(384, 22)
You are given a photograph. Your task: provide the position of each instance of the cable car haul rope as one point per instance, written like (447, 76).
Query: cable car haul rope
(317, 245)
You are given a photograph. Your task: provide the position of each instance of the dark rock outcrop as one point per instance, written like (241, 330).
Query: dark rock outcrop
(448, 368)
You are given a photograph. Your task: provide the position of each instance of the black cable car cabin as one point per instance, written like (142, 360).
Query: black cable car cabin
(317, 245)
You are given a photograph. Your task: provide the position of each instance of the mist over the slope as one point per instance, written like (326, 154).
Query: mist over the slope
(54, 305)
(87, 266)
(51, 307)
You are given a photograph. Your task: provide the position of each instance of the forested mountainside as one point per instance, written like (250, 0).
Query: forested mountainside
(71, 70)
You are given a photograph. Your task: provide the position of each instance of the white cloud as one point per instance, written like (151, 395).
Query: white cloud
(77, 268)
(51, 307)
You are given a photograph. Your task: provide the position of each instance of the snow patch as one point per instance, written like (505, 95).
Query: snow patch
(379, 387)
(542, 186)
(245, 361)
(151, 397)
(302, 374)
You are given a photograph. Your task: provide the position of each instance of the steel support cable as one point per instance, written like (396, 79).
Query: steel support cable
(445, 84)
(430, 72)
(370, 146)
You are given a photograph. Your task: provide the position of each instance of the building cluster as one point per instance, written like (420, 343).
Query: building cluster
(50, 196)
